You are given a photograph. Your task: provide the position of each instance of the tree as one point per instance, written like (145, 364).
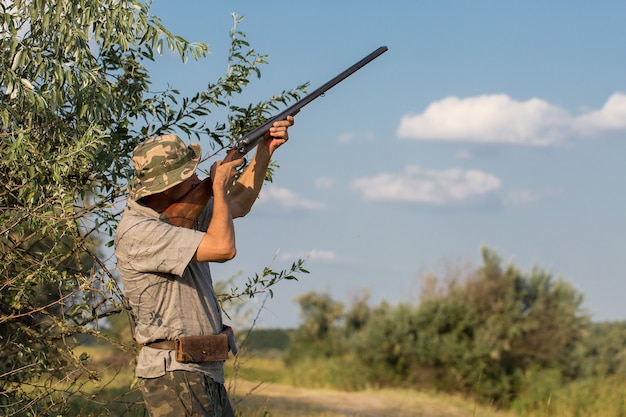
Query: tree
(318, 335)
(479, 335)
(359, 313)
(604, 353)
(75, 100)
(385, 346)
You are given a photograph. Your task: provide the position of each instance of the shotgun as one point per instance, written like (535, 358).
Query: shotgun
(185, 211)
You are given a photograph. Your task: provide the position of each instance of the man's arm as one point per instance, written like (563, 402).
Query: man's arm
(245, 191)
(218, 243)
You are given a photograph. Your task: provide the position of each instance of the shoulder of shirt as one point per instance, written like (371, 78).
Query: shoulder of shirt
(133, 208)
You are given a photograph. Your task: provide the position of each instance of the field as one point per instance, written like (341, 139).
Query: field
(264, 387)
(258, 389)
(284, 400)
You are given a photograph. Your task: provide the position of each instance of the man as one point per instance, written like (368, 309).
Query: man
(166, 276)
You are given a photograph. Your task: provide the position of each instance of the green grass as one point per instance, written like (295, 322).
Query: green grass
(331, 389)
(598, 397)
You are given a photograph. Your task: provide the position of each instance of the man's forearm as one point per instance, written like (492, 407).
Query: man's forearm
(246, 190)
(218, 243)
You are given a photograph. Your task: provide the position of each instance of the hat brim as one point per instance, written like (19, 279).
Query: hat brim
(138, 189)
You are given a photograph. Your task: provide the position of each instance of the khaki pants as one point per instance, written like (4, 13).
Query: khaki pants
(181, 393)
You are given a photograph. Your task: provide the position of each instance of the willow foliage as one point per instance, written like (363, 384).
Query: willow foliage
(75, 99)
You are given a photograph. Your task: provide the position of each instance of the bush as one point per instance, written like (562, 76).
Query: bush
(480, 335)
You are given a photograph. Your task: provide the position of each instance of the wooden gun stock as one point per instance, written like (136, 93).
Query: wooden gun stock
(185, 212)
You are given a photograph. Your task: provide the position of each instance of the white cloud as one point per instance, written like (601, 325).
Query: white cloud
(497, 118)
(324, 183)
(286, 200)
(349, 137)
(429, 187)
(612, 116)
(323, 255)
(520, 197)
(327, 256)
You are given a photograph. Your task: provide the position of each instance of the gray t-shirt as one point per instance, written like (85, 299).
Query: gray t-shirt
(170, 296)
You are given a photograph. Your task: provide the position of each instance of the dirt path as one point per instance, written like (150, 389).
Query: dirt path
(284, 400)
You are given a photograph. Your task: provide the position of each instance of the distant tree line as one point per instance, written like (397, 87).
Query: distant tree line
(484, 334)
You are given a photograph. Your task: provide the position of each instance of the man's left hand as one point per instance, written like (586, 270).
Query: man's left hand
(278, 134)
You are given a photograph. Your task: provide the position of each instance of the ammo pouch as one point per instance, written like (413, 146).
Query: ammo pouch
(195, 349)
(209, 348)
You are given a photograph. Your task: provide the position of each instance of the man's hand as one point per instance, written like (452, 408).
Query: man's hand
(278, 134)
(223, 175)
(246, 190)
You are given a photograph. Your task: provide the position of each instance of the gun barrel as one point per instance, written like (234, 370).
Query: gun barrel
(250, 140)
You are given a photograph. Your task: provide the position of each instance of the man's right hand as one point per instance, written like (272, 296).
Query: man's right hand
(223, 175)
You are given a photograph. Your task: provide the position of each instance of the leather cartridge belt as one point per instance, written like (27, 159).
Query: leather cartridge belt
(162, 344)
(198, 349)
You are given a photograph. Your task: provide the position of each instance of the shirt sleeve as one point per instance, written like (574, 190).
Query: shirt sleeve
(154, 246)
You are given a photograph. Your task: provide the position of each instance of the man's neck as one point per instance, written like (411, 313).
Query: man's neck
(156, 202)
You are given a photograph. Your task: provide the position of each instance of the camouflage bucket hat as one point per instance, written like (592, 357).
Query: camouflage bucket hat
(161, 163)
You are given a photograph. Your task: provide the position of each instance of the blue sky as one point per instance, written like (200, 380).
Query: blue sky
(487, 123)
